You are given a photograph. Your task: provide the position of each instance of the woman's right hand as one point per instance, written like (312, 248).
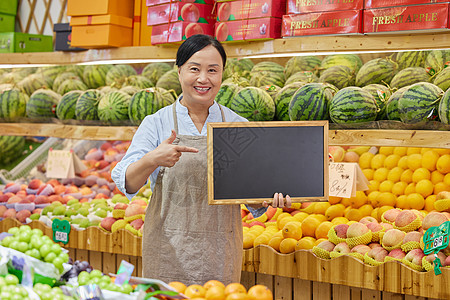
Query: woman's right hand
(167, 154)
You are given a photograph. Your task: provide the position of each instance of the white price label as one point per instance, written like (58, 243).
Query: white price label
(61, 236)
(438, 242)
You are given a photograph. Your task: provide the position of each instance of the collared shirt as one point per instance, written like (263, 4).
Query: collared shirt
(158, 127)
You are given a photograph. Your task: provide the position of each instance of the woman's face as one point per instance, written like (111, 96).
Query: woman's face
(201, 76)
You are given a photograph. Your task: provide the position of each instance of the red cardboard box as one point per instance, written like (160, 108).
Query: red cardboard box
(319, 23)
(249, 29)
(387, 3)
(307, 6)
(156, 2)
(428, 17)
(249, 9)
(178, 31)
(180, 11)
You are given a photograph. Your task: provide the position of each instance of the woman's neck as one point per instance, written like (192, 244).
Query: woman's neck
(198, 112)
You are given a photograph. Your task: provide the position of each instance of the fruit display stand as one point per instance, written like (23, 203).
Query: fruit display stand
(299, 275)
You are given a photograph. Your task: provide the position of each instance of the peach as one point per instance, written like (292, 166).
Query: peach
(4, 198)
(59, 189)
(361, 249)
(2, 209)
(133, 210)
(368, 219)
(431, 258)
(105, 146)
(392, 237)
(326, 245)
(415, 256)
(30, 198)
(86, 191)
(342, 248)
(21, 194)
(37, 211)
(101, 164)
(341, 230)
(54, 182)
(378, 253)
(9, 213)
(22, 215)
(447, 262)
(224, 12)
(35, 184)
(337, 152)
(221, 32)
(14, 199)
(351, 156)
(391, 214)
(404, 218)
(193, 29)
(190, 13)
(356, 229)
(71, 189)
(140, 202)
(53, 198)
(101, 196)
(121, 205)
(397, 253)
(41, 199)
(433, 219)
(137, 224)
(374, 227)
(107, 222)
(412, 236)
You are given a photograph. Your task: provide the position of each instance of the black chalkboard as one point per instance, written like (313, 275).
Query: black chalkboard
(249, 162)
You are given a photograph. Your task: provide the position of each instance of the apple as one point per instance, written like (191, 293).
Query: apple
(374, 245)
(341, 230)
(368, 219)
(397, 253)
(415, 256)
(326, 245)
(362, 249)
(412, 236)
(391, 214)
(374, 226)
(433, 219)
(356, 229)
(342, 248)
(378, 253)
(404, 218)
(431, 258)
(392, 237)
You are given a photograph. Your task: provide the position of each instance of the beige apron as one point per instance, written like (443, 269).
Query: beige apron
(184, 238)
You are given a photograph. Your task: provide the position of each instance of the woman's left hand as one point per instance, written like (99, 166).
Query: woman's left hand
(279, 201)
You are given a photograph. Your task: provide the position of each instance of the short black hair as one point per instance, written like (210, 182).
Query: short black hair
(196, 43)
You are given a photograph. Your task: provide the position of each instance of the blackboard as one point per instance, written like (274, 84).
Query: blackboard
(248, 162)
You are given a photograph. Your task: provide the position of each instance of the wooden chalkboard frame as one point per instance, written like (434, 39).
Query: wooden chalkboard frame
(210, 157)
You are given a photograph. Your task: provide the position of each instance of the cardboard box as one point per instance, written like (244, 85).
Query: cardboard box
(428, 17)
(8, 7)
(247, 30)
(320, 23)
(180, 11)
(25, 42)
(388, 3)
(63, 37)
(122, 8)
(142, 33)
(249, 9)
(101, 31)
(156, 2)
(178, 31)
(7, 22)
(307, 6)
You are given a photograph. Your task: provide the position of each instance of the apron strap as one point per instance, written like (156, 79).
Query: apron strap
(175, 119)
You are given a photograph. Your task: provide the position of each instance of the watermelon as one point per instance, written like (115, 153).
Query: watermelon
(409, 76)
(12, 104)
(139, 81)
(24, 72)
(409, 59)
(351, 61)
(301, 63)
(106, 89)
(6, 86)
(310, 102)
(113, 107)
(71, 85)
(254, 104)
(267, 73)
(235, 79)
(95, 76)
(241, 67)
(147, 102)
(11, 78)
(444, 108)
(66, 107)
(419, 102)
(379, 70)
(226, 93)
(153, 71)
(340, 76)
(42, 104)
(11, 147)
(302, 76)
(32, 83)
(442, 79)
(169, 81)
(381, 93)
(272, 90)
(392, 112)
(63, 77)
(283, 98)
(352, 105)
(435, 61)
(87, 103)
(130, 90)
(75, 69)
(50, 73)
(117, 75)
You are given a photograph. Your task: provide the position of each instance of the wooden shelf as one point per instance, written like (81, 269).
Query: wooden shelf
(368, 137)
(286, 47)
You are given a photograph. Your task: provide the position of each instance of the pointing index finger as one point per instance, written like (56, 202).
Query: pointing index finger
(186, 149)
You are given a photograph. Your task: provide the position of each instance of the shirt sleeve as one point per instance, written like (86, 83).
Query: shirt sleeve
(144, 140)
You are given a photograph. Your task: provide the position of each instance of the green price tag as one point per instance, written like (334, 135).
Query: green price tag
(436, 238)
(61, 230)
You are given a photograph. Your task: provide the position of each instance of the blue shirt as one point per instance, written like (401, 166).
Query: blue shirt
(158, 127)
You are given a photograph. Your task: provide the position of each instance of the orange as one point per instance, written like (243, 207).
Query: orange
(215, 293)
(346, 202)
(365, 160)
(429, 159)
(415, 201)
(441, 186)
(288, 245)
(391, 161)
(374, 213)
(385, 198)
(195, 290)
(292, 230)
(401, 202)
(429, 202)
(373, 186)
(256, 229)
(399, 188)
(386, 186)
(395, 174)
(354, 214)
(413, 150)
(209, 284)
(372, 197)
(437, 176)
(235, 287)
(249, 238)
(237, 296)
(442, 151)
(380, 174)
(262, 239)
(317, 242)
(359, 200)
(334, 200)
(368, 173)
(178, 286)
(300, 216)
(306, 243)
(283, 221)
(339, 220)
(275, 243)
(321, 207)
(309, 226)
(410, 188)
(377, 161)
(259, 292)
(425, 187)
(421, 173)
(403, 162)
(322, 229)
(401, 151)
(334, 211)
(366, 210)
(386, 150)
(414, 161)
(447, 179)
(443, 164)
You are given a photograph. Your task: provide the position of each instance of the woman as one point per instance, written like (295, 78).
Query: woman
(184, 238)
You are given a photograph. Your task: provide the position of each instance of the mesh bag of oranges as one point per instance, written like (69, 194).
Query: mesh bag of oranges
(364, 239)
